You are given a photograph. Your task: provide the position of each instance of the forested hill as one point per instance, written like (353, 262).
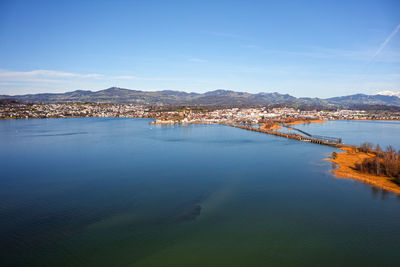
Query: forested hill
(212, 98)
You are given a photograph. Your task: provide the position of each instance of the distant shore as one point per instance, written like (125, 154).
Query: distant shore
(275, 126)
(346, 169)
(375, 120)
(304, 122)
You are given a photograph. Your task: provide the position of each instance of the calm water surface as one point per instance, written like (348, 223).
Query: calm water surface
(121, 192)
(356, 132)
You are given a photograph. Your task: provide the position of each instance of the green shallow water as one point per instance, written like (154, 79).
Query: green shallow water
(121, 192)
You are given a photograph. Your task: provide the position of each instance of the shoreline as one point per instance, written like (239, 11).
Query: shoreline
(275, 126)
(375, 120)
(305, 122)
(346, 161)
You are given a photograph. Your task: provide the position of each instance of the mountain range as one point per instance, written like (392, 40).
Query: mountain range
(212, 98)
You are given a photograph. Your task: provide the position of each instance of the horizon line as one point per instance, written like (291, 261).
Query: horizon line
(383, 92)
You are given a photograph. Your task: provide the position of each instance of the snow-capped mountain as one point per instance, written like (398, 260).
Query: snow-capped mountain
(389, 93)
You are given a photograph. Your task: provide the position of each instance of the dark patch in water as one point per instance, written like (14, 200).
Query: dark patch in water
(190, 214)
(62, 134)
(174, 140)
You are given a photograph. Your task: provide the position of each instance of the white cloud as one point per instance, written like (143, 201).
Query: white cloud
(35, 81)
(251, 46)
(199, 60)
(323, 53)
(126, 77)
(131, 77)
(390, 93)
(225, 34)
(61, 76)
(53, 81)
(40, 75)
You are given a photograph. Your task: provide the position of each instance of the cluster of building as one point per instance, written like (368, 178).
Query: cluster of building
(259, 115)
(22, 110)
(183, 116)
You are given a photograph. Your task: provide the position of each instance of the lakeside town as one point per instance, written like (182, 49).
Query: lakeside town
(185, 115)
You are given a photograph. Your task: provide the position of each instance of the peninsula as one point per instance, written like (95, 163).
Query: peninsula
(375, 167)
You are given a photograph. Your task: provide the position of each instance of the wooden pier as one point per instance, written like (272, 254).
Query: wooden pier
(322, 140)
(321, 137)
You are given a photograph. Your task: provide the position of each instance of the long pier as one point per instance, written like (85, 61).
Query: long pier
(326, 138)
(334, 142)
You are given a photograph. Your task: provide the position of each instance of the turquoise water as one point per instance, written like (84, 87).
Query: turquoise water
(122, 192)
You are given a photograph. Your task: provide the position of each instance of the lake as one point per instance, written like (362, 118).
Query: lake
(357, 132)
(123, 192)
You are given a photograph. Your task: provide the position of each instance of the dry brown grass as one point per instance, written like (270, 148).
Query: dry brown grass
(305, 121)
(270, 126)
(347, 161)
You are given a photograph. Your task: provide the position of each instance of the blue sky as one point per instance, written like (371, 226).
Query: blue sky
(304, 48)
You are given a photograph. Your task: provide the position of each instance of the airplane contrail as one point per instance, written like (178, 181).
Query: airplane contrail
(369, 64)
(387, 40)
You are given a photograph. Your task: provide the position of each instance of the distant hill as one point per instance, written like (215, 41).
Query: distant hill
(361, 99)
(225, 98)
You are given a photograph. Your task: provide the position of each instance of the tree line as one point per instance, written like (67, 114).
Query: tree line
(382, 163)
